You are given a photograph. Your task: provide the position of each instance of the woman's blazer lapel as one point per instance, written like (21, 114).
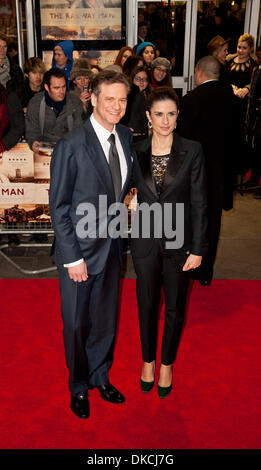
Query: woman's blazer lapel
(177, 157)
(143, 152)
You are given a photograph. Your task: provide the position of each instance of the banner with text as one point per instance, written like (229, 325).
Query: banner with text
(80, 20)
(24, 185)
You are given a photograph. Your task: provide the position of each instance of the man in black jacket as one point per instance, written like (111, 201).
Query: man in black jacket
(209, 115)
(90, 165)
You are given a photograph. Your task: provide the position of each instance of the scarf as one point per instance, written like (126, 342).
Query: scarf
(5, 72)
(56, 105)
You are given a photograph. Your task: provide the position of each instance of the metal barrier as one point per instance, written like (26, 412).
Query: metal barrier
(22, 228)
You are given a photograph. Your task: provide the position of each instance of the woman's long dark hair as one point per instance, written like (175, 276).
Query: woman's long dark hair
(141, 69)
(131, 63)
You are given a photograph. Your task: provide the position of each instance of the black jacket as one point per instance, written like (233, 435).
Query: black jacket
(135, 116)
(16, 122)
(16, 82)
(184, 183)
(209, 114)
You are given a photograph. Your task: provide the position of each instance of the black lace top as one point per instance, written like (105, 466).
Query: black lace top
(159, 166)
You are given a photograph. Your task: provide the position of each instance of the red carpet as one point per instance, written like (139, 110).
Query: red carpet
(215, 403)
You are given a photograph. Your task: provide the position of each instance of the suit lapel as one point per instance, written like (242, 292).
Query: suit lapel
(144, 159)
(177, 157)
(96, 153)
(126, 150)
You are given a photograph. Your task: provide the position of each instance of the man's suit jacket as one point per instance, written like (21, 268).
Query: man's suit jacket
(184, 182)
(209, 115)
(80, 174)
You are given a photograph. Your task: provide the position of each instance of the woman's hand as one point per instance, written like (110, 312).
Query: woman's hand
(84, 97)
(35, 146)
(192, 262)
(242, 92)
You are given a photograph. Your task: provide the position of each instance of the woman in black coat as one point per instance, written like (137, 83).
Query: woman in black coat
(254, 131)
(135, 116)
(167, 170)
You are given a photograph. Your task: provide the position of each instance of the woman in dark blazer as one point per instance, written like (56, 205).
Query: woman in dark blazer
(168, 171)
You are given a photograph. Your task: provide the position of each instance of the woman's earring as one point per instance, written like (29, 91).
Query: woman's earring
(150, 124)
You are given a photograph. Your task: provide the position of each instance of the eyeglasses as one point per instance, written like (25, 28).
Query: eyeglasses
(161, 70)
(138, 79)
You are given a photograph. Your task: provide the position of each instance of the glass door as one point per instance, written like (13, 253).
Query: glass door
(17, 27)
(168, 27)
(182, 29)
(211, 18)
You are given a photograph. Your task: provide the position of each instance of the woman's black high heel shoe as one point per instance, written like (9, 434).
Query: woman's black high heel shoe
(163, 392)
(147, 386)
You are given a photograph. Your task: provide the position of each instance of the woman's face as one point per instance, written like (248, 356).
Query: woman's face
(125, 56)
(60, 57)
(243, 50)
(223, 53)
(35, 79)
(81, 81)
(159, 73)
(163, 116)
(258, 57)
(3, 49)
(148, 54)
(141, 80)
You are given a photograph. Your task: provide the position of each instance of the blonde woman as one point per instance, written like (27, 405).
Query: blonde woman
(241, 65)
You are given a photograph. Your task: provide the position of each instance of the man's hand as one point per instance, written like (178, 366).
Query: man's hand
(35, 146)
(78, 273)
(192, 262)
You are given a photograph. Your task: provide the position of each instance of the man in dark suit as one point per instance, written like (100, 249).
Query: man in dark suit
(90, 171)
(208, 114)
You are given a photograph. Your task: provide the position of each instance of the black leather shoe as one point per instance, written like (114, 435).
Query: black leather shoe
(110, 393)
(80, 405)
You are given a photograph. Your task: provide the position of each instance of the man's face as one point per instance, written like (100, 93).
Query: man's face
(57, 88)
(110, 105)
(3, 49)
(143, 31)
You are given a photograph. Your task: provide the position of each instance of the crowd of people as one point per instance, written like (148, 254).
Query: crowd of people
(187, 150)
(42, 105)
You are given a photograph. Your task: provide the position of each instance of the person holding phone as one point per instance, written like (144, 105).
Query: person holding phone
(81, 76)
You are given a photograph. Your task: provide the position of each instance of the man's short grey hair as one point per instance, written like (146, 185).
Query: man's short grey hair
(210, 66)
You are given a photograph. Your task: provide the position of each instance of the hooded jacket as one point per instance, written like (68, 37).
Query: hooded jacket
(67, 47)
